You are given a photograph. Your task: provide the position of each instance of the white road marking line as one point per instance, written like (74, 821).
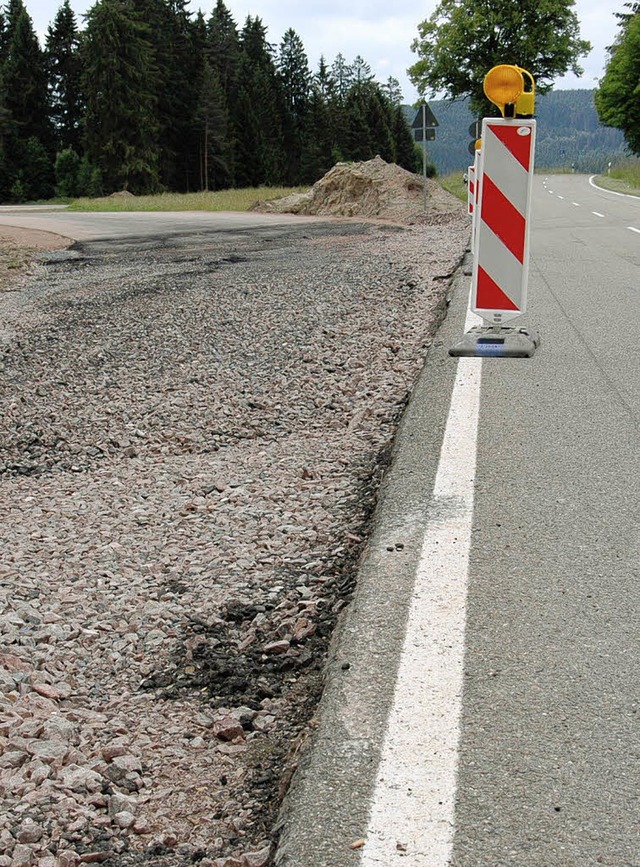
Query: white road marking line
(561, 197)
(633, 229)
(414, 799)
(577, 204)
(597, 214)
(613, 192)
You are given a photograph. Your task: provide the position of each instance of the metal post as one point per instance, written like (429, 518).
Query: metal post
(424, 152)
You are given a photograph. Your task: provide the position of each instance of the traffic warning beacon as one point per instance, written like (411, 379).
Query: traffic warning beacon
(504, 177)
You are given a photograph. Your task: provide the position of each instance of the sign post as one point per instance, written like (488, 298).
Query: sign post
(423, 127)
(500, 239)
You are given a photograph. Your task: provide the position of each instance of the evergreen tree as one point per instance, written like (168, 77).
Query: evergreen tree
(317, 140)
(342, 76)
(361, 71)
(618, 97)
(261, 112)
(295, 74)
(120, 87)
(295, 78)
(34, 178)
(67, 166)
(405, 149)
(25, 79)
(213, 127)
(177, 72)
(323, 81)
(392, 91)
(224, 54)
(64, 72)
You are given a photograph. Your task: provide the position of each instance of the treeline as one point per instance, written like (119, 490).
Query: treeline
(149, 97)
(568, 133)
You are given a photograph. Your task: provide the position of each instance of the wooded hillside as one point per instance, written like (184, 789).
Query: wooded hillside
(568, 133)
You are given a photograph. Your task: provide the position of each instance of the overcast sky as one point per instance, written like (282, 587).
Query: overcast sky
(380, 30)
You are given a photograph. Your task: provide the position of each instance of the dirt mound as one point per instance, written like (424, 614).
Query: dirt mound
(373, 189)
(121, 194)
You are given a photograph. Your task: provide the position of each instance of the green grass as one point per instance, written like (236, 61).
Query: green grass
(624, 177)
(223, 200)
(455, 184)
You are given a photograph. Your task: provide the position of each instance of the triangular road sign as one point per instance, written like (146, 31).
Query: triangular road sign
(429, 116)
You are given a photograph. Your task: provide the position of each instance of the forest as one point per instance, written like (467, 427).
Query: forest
(148, 97)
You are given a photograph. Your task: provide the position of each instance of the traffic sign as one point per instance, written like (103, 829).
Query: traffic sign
(424, 118)
(499, 284)
(419, 134)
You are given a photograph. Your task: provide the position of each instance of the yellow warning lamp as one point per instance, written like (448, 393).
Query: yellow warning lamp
(505, 86)
(525, 104)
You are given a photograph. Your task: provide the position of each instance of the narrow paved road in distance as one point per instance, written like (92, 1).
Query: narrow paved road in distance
(92, 226)
(483, 706)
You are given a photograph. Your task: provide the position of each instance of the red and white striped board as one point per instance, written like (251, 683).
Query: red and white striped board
(501, 261)
(471, 189)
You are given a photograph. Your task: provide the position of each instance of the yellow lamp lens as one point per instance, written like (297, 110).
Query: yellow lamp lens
(503, 84)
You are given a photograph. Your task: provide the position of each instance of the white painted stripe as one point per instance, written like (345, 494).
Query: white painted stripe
(633, 229)
(510, 176)
(561, 197)
(577, 204)
(597, 214)
(612, 192)
(414, 798)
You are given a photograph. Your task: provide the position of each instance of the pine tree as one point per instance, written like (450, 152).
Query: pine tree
(392, 90)
(261, 111)
(120, 87)
(405, 148)
(224, 55)
(323, 81)
(213, 127)
(317, 139)
(361, 71)
(295, 77)
(342, 75)
(64, 72)
(178, 69)
(25, 79)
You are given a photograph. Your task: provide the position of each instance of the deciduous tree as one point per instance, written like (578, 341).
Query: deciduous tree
(464, 39)
(618, 97)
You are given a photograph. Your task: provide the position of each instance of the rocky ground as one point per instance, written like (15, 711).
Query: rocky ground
(192, 434)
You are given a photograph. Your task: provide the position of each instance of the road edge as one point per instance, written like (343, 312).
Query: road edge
(326, 810)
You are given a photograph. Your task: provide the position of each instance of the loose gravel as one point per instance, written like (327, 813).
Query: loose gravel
(192, 433)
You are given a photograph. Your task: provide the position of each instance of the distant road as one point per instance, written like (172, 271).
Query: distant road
(92, 226)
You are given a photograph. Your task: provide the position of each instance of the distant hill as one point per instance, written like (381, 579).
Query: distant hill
(568, 132)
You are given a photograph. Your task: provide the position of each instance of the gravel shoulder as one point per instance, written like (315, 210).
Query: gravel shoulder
(192, 435)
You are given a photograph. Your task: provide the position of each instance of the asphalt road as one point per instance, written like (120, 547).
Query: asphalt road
(534, 759)
(97, 226)
(539, 759)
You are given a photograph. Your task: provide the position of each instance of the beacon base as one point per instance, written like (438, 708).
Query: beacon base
(494, 341)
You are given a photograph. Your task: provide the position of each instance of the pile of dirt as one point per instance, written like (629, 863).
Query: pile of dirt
(373, 189)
